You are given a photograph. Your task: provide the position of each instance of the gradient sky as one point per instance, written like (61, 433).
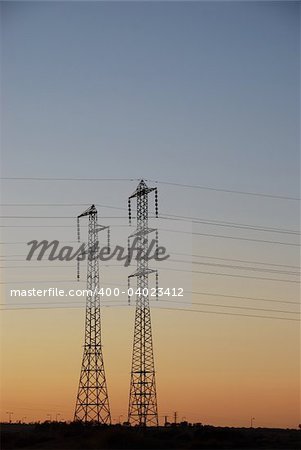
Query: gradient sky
(202, 93)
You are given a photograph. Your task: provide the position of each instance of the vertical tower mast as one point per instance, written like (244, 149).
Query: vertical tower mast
(92, 403)
(143, 397)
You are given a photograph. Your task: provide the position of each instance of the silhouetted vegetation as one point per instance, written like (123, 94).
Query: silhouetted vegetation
(62, 436)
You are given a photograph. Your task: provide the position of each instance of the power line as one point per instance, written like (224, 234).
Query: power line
(226, 224)
(15, 306)
(11, 256)
(207, 235)
(38, 267)
(66, 179)
(21, 260)
(37, 281)
(244, 261)
(55, 217)
(238, 297)
(208, 188)
(51, 266)
(230, 314)
(234, 307)
(228, 266)
(231, 275)
(266, 230)
(167, 309)
(172, 269)
(235, 260)
(39, 226)
(62, 204)
(109, 303)
(23, 242)
(229, 191)
(177, 261)
(56, 226)
(62, 266)
(173, 217)
(213, 273)
(230, 237)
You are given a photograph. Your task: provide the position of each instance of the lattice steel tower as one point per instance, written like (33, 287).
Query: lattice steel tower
(143, 398)
(92, 403)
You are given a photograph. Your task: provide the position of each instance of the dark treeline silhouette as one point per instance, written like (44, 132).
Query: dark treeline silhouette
(63, 436)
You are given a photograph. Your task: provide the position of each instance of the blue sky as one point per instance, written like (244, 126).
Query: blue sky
(187, 91)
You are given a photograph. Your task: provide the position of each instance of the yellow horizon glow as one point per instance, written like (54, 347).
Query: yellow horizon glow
(216, 370)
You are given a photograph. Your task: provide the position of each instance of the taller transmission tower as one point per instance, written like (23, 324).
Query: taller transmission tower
(92, 403)
(143, 397)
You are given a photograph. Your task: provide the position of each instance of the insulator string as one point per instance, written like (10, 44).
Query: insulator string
(130, 212)
(78, 230)
(156, 202)
(129, 250)
(77, 259)
(78, 273)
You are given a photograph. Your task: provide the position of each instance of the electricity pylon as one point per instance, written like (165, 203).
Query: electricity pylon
(143, 397)
(92, 403)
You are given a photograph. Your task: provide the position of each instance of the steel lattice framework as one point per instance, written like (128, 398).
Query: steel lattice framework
(92, 403)
(143, 397)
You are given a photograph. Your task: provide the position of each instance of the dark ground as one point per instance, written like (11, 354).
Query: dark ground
(63, 436)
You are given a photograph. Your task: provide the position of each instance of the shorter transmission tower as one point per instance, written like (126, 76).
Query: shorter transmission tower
(92, 403)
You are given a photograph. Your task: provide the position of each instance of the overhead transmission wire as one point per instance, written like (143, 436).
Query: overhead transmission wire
(228, 266)
(104, 264)
(24, 242)
(169, 183)
(182, 270)
(211, 222)
(229, 191)
(230, 237)
(55, 217)
(63, 205)
(162, 216)
(231, 275)
(220, 223)
(207, 235)
(196, 220)
(51, 266)
(266, 230)
(82, 304)
(244, 261)
(239, 297)
(67, 179)
(168, 309)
